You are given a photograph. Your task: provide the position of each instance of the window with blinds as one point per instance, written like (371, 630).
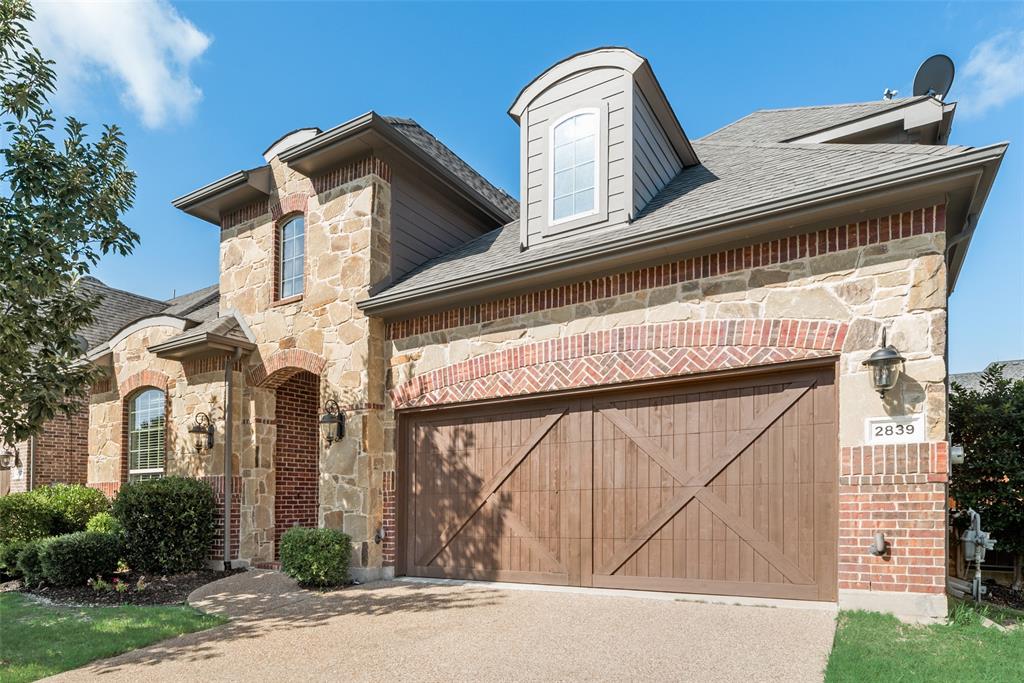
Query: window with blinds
(146, 434)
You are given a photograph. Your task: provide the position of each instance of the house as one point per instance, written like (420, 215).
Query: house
(1012, 370)
(645, 373)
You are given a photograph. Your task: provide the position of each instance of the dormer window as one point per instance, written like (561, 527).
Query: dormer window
(574, 168)
(292, 250)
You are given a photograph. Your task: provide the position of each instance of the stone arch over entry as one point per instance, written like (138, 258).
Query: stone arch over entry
(624, 354)
(296, 458)
(281, 365)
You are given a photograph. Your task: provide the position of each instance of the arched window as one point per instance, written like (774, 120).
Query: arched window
(574, 170)
(146, 435)
(291, 249)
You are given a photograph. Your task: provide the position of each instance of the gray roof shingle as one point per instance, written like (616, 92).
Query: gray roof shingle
(733, 176)
(423, 139)
(1012, 370)
(777, 125)
(117, 308)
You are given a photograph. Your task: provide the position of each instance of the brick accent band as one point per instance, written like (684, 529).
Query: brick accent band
(623, 355)
(282, 365)
(849, 236)
(145, 378)
(107, 488)
(297, 201)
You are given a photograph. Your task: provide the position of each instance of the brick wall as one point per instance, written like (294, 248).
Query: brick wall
(61, 453)
(296, 455)
(900, 491)
(216, 482)
(388, 523)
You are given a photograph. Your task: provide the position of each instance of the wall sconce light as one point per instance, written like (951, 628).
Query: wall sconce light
(885, 367)
(879, 546)
(9, 458)
(202, 433)
(332, 422)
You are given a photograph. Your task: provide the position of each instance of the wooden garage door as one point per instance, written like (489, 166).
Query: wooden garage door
(722, 487)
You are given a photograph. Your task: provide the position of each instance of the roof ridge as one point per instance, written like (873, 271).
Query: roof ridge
(895, 100)
(122, 291)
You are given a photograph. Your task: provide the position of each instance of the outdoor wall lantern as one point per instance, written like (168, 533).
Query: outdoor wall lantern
(202, 433)
(9, 458)
(885, 367)
(332, 422)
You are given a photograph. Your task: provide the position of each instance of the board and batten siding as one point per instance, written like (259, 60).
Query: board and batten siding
(605, 87)
(655, 162)
(426, 222)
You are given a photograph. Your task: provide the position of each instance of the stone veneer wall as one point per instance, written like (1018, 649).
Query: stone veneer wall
(889, 271)
(347, 242)
(61, 453)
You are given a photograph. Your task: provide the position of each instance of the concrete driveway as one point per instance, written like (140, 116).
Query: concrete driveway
(474, 632)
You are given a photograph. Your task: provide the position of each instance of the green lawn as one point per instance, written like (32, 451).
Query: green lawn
(878, 647)
(39, 640)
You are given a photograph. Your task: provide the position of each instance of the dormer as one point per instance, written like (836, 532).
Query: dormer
(598, 141)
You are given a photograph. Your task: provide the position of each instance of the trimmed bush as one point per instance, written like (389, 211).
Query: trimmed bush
(30, 561)
(104, 523)
(25, 517)
(9, 558)
(168, 524)
(73, 505)
(316, 557)
(73, 559)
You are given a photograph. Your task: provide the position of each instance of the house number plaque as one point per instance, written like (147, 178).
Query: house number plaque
(889, 430)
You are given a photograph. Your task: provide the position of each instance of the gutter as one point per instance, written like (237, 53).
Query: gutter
(591, 258)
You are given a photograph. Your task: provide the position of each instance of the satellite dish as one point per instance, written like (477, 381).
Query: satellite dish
(934, 77)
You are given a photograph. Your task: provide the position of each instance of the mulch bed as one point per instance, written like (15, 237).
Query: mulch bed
(1004, 596)
(157, 590)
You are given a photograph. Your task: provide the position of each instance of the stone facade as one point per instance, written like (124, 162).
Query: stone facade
(820, 293)
(320, 334)
(826, 292)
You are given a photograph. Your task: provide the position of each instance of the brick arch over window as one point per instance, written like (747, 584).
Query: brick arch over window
(624, 354)
(295, 202)
(282, 365)
(145, 378)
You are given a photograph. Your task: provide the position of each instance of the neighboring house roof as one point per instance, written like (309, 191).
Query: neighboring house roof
(736, 178)
(778, 125)
(1012, 370)
(421, 137)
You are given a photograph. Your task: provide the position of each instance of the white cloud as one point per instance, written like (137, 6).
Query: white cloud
(994, 74)
(145, 45)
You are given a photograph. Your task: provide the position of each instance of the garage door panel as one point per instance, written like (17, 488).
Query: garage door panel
(726, 488)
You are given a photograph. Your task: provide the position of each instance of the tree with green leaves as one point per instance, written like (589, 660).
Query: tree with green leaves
(61, 202)
(989, 424)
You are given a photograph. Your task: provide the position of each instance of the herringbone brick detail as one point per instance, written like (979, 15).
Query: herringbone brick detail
(623, 355)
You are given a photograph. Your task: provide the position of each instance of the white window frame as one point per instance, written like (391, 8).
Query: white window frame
(597, 166)
(148, 472)
(280, 257)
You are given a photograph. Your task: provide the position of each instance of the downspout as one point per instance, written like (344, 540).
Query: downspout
(229, 371)
(31, 463)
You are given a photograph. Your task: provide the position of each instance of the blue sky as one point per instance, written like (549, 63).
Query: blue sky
(201, 89)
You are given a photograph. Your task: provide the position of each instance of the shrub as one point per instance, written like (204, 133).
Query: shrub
(73, 559)
(316, 557)
(30, 561)
(73, 505)
(104, 523)
(168, 524)
(25, 517)
(9, 557)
